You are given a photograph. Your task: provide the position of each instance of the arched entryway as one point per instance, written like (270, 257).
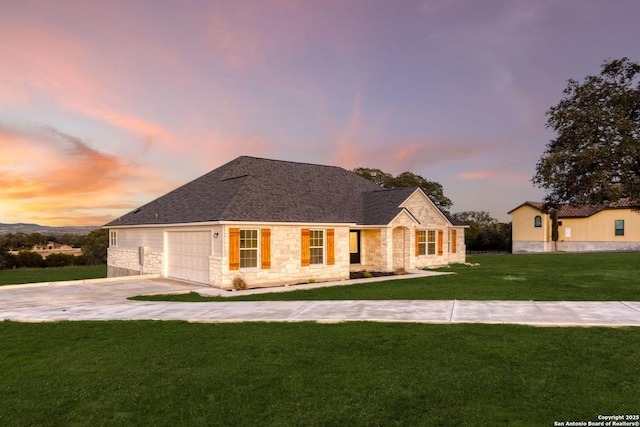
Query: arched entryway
(400, 248)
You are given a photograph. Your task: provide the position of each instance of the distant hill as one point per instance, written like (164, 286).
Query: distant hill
(43, 229)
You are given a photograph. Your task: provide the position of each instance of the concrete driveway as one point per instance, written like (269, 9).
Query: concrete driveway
(107, 300)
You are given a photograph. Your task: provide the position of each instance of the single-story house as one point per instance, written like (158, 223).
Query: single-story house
(591, 228)
(272, 222)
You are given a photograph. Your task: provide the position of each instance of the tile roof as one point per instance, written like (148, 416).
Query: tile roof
(264, 190)
(584, 211)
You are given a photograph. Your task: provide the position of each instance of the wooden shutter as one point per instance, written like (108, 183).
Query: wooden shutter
(265, 248)
(454, 241)
(417, 242)
(331, 257)
(305, 251)
(234, 249)
(440, 239)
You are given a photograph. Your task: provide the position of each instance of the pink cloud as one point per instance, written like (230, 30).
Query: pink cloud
(478, 175)
(50, 173)
(396, 156)
(49, 67)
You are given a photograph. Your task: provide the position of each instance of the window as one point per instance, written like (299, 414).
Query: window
(113, 238)
(421, 242)
(431, 242)
(316, 246)
(314, 243)
(619, 227)
(248, 248)
(537, 221)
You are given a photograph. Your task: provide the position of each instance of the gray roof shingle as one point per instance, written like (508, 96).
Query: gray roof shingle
(263, 190)
(382, 206)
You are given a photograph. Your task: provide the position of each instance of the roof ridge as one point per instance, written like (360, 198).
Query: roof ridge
(292, 162)
(382, 189)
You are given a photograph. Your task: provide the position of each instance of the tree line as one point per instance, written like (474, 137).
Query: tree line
(94, 250)
(485, 233)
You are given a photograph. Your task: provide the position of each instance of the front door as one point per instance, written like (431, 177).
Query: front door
(354, 246)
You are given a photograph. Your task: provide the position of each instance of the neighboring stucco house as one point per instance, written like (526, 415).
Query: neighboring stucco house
(605, 227)
(274, 222)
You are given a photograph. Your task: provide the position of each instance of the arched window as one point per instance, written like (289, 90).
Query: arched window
(538, 221)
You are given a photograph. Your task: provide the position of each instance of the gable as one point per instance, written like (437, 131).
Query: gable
(383, 205)
(424, 210)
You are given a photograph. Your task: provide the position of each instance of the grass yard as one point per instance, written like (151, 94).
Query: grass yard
(307, 374)
(543, 277)
(52, 274)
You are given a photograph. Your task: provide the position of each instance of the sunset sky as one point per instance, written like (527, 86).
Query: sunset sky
(106, 105)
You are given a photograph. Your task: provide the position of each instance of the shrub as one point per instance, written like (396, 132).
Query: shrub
(29, 259)
(7, 260)
(60, 260)
(239, 284)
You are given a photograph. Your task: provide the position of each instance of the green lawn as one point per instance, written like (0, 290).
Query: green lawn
(544, 277)
(53, 274)
(307, 374)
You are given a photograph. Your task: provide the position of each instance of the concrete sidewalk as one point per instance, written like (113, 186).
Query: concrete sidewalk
(107, 300)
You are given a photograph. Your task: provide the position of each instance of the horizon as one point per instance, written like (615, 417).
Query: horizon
(107, 106)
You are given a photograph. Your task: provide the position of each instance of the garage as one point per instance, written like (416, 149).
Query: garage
(188, 255)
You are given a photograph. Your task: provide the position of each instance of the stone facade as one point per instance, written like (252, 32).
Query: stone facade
(126, 262)
(286, 255)
(371, 247)
(385, 248)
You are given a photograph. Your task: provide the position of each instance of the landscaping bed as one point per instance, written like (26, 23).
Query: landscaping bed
(367, 274)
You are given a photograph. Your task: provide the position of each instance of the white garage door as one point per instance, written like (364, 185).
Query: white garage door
(188, 255)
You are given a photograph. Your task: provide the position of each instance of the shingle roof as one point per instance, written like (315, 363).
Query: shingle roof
(382, 206)
(263, 190)
(570, 211)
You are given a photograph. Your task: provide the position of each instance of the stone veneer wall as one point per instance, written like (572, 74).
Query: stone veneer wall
(528, 247)
(370, 248)
(286, 260)
(126, 262)
(598, 246)
(524, 247)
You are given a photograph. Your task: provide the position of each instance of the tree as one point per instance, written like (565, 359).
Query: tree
(94, 247)
(29, 259)
(595, 157)
(485, 233)
(554, 225)
(381, 178)
(6, 260)
(408, 179)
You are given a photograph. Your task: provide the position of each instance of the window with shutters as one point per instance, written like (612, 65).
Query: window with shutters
(248, 248)
(316, 246)
(431, 242)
